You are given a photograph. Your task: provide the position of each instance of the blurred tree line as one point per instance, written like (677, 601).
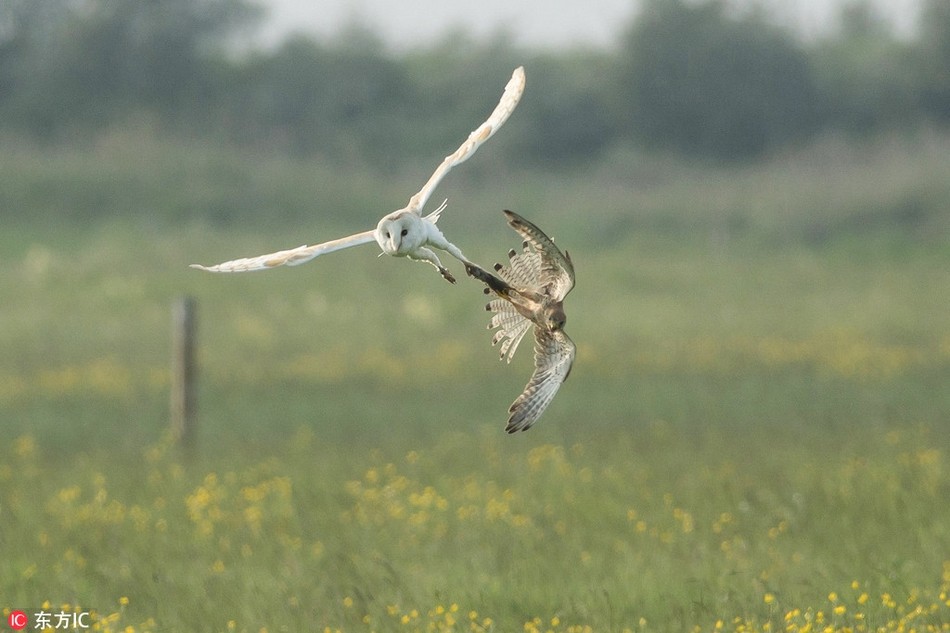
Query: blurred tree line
(695, 78)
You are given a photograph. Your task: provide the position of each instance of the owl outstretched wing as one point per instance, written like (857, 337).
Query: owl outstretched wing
(556, 271)
(294, 256)
(553, 357)
(290, 257)
(506, 105)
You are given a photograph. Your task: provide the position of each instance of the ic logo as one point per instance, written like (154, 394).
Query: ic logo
(18, 620)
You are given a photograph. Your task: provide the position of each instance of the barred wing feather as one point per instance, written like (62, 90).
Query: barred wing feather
(556, 269)
(553, 356)
(522, 271)
(512, 327)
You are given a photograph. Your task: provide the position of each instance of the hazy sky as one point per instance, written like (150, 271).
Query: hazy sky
(535, 23)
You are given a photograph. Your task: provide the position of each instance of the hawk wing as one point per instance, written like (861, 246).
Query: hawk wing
(523, 270)
(290, 257)
(556, 272)
(553, 356)
(506, 105)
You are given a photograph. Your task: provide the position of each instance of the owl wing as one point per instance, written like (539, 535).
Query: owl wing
(553, 356)
(509, 99)
(301, 254)
(556, 271)
(290, 257)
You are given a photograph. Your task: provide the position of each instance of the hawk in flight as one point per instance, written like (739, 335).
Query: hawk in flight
(405, 232)
(530, 290)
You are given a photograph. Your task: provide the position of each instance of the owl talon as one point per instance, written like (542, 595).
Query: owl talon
(447, 275)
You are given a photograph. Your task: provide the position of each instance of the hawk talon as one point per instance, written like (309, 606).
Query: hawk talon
(487, 278)
(497, 285)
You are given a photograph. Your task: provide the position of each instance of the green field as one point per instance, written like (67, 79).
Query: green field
(755, 435)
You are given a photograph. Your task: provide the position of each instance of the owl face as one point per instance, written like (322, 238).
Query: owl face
(400, 233)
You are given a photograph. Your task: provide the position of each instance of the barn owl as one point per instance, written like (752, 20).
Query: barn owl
(530, 290)
(405, 232)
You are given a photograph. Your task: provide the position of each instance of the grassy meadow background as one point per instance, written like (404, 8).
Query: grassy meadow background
(754, 436)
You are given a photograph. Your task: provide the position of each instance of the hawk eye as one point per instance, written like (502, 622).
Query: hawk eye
(405, 232)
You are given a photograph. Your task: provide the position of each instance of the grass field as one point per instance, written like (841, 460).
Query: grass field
(754, 437)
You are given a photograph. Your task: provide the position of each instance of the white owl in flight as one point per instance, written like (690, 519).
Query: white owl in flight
(405, 232)
(530, 290)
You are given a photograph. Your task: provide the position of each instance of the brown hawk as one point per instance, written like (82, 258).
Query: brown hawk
(530, 290)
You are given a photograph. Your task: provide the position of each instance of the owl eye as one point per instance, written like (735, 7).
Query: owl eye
(387, 235)
(405, 232)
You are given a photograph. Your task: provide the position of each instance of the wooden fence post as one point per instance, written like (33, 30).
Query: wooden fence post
(183, 371)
